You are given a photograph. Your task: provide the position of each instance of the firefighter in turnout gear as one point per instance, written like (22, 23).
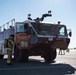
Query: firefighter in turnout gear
(9, 48)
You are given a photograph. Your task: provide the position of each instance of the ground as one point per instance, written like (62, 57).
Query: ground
(62, 65)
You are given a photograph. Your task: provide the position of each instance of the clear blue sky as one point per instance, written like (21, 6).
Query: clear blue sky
(62, 10)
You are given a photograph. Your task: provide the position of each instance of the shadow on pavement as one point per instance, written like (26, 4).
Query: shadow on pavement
(36, 67)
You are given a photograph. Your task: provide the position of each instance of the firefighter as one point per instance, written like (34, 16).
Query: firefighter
(9, 49)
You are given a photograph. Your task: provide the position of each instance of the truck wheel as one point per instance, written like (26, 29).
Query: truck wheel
(1, 56)
(54, 53)
(20, 55)
(50, 55)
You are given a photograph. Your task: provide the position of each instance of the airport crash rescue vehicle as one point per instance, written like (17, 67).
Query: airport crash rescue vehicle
(34, 37)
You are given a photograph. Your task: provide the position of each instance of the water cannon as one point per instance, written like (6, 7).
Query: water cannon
(49, 12)
(42, 18)
(46, 15)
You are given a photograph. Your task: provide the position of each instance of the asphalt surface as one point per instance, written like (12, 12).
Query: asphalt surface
(63, 65)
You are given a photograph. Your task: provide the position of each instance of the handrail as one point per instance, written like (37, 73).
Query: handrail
(7, 25)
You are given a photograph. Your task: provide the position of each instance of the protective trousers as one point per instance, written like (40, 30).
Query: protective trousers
(9, 53)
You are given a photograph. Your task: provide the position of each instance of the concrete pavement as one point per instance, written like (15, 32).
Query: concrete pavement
(63, 65)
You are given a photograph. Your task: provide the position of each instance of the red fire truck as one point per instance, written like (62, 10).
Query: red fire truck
(35, 38)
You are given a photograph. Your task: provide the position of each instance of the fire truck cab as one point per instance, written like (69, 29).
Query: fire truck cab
(34, 38)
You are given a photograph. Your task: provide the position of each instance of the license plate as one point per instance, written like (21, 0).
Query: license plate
(50, 39)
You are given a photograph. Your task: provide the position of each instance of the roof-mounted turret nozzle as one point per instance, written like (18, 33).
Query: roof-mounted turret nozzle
(46, 15)
(49, 11)
(42, 18)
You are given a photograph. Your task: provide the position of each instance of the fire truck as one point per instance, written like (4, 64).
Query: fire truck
(34, 37)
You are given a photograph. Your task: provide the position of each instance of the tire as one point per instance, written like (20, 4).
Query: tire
(20, 55)
(54, 53)
(1, 56)
(50, 55)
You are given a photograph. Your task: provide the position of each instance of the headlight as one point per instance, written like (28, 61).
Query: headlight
(23, 43)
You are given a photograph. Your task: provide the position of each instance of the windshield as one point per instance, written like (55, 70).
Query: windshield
(22, 27)
(49, 29)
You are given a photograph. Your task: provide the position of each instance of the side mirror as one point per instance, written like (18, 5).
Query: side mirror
(70, 33)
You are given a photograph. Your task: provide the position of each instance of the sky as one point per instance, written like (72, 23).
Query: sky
(62, 10)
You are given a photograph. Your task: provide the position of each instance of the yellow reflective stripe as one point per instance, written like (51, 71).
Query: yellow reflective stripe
(0, 51)
(9, 44)
(8, 61)
(8, 49)
(11, 41)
